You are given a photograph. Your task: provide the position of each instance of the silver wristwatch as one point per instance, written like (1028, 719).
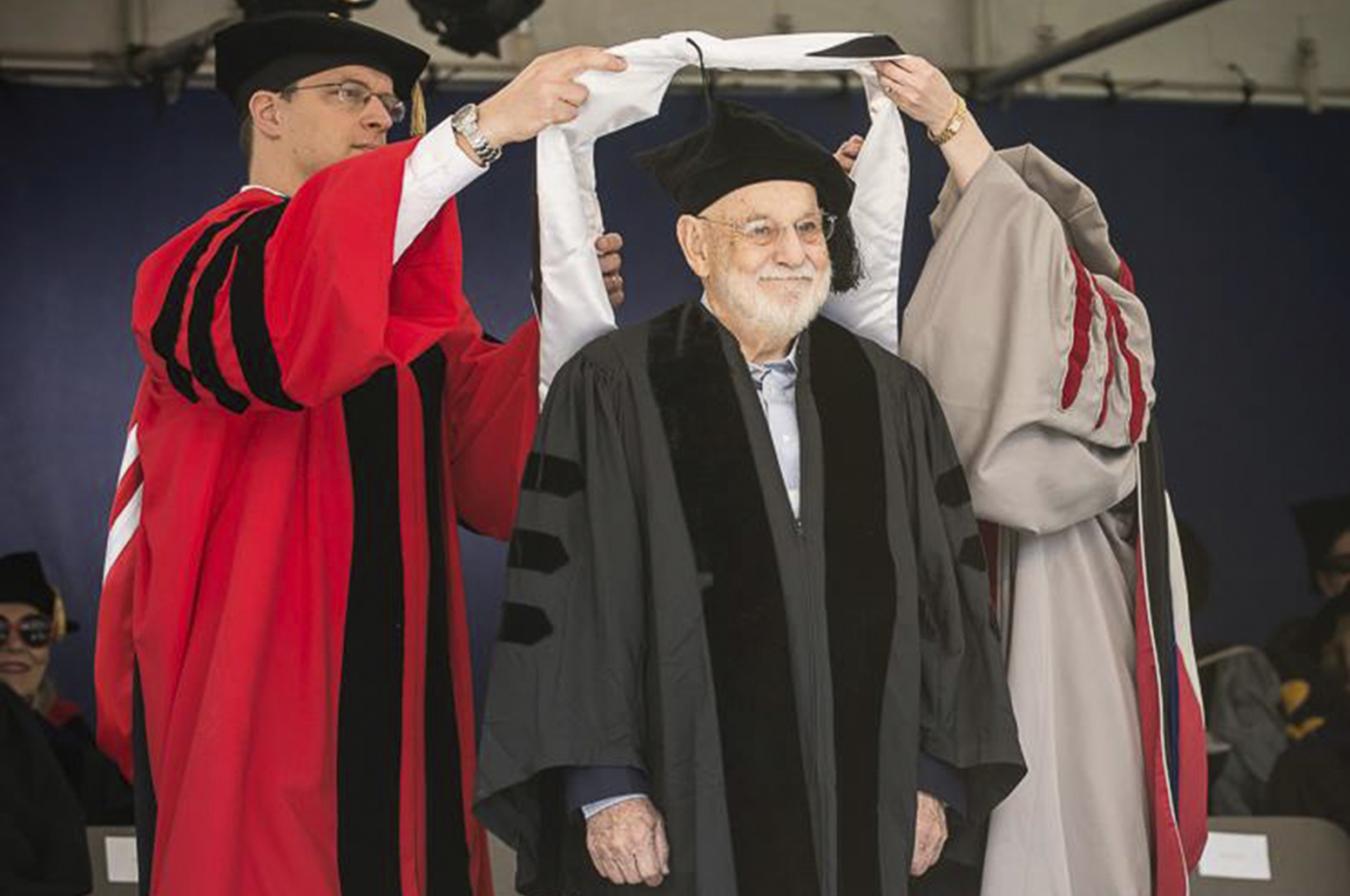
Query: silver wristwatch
(465, 122)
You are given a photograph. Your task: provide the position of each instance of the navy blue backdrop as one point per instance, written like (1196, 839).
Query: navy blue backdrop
(1233, 221)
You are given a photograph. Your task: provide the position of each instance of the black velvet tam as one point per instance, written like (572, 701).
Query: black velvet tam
(22, 581)
(272, 52)
(740, 146)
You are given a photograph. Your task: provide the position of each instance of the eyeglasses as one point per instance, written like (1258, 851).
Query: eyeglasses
(34, 629)
(355, 95)
(813, 230)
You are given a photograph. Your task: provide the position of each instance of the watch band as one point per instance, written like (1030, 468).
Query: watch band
(954, 122)
(465, 123)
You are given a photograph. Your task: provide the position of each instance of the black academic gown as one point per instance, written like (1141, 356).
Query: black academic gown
(774, 679)
(43, 850)
(103, 794)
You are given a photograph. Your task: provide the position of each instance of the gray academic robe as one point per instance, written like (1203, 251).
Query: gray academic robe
(775, 680)
(1026, 322)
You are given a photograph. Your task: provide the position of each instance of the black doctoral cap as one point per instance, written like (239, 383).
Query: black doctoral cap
(22, 581)
(273, 51)
(1320, 522)
(739, 146)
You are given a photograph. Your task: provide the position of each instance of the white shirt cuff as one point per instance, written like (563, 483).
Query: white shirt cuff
(435, 171)
(595, 808)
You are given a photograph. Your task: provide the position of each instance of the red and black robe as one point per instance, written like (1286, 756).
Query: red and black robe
(283, 654)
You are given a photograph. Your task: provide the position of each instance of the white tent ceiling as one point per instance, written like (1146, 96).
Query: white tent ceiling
(1288, 50)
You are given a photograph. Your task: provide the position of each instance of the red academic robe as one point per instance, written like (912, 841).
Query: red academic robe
(283, 657)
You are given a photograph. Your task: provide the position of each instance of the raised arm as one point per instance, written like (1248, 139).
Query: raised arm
(284, 303)
(923, 93)
(1025, 322)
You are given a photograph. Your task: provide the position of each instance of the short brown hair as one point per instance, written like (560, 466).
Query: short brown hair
(246, 138)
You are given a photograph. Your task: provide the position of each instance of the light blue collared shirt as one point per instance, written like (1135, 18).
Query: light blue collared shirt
(776, 385)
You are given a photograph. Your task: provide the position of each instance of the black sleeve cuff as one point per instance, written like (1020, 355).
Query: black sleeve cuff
(584, 785)
(943, 781)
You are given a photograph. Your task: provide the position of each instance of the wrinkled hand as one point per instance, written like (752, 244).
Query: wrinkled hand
(544, 93)
(627, 843)
(919, 90)
(608, 247)
(930, 834)
(847, 153)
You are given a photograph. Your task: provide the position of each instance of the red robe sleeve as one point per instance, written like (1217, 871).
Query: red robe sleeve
(286, 303)
(114, 655)
(491, 389)
(493, 402)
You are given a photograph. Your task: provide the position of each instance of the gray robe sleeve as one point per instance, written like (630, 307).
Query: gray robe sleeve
(1044, 367)
(566, 682)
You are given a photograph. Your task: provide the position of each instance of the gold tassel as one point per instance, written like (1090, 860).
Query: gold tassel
(417, 126)
(58, 617)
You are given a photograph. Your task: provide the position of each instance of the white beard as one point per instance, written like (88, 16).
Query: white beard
(776, 317)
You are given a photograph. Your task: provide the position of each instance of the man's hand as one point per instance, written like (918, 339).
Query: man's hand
(544, 93)
(847, 153)
(627, 843)
(930, 834)
(919, 90)
(608, 248)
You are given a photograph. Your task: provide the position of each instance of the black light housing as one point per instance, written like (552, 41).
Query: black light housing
(473, 26)
(254, 8)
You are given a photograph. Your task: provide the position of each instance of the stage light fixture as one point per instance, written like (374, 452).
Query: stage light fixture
(254, 8)
(473, 26)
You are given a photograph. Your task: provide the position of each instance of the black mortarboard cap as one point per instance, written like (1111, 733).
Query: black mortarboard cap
(22, 581)
(740, 146)
(270, 52)
(1320, 522)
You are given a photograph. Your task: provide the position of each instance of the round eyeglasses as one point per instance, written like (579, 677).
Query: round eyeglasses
(813, 230)
(355, 95)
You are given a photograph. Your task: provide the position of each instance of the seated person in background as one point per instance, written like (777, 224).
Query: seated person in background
(32, 619)
(1324, 525)
(1313, 776)
(43, 850)
(1243, 721)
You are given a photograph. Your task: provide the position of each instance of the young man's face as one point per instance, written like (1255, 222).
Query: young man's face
(333, 115)
(1333, 576)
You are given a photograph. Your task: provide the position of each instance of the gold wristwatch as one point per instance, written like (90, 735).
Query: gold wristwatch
(954, 122)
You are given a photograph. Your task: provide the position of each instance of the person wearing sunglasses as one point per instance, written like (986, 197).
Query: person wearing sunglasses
(33, 621)
(53, 779)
